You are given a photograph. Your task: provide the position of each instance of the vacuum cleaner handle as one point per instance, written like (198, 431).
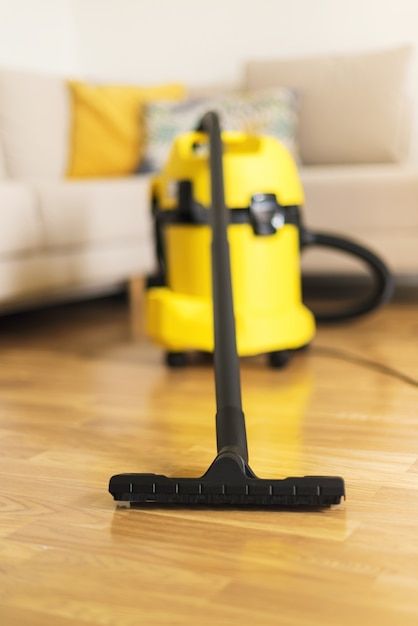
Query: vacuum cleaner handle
(383, 281)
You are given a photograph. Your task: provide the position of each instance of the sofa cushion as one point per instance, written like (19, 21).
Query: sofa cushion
(375, 204)
(21, 229)
(72, 272)
(34, 124)
(268, 112)
(107, 126)
(84, 212)
(351, 106)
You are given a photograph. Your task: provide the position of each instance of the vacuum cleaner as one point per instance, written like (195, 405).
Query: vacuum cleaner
(229, 481)
(266, 234)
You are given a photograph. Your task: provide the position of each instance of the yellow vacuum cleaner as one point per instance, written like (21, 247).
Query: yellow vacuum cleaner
(264, 196)
(229, 481)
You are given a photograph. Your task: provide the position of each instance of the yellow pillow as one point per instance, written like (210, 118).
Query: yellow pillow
(107, 136)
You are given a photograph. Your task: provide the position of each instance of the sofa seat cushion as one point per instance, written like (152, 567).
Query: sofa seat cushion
(21, 230)
(56, 274)
(373, 204)
(95, 211)
(353, 107)
(366, 196)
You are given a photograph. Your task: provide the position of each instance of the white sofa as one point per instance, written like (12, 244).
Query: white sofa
(62, 237)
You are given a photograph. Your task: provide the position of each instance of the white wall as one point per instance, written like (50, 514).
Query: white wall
(38, 35)
(198, 41)
(193, 40)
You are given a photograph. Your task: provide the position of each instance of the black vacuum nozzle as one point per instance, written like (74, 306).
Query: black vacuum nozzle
(229, 481)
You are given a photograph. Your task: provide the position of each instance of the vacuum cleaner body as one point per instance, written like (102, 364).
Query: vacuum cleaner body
(263, 194)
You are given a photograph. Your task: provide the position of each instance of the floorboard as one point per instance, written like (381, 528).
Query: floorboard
(80, 401)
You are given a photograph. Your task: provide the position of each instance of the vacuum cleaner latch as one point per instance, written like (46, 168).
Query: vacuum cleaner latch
(266, 215)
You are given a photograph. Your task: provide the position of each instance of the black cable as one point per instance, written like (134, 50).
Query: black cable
(383, 282)
(344, 355)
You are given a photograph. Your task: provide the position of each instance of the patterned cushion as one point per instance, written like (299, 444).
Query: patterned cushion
(268, 112)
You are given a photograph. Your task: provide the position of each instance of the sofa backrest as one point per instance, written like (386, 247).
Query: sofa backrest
(34, 124)
(352, 108)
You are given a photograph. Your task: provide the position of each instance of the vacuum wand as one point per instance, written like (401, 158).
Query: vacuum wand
(230, 421)
(229, 481)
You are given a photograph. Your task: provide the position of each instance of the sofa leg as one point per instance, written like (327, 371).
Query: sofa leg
(136, 305)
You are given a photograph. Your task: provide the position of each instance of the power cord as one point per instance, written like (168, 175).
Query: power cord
(345, 355)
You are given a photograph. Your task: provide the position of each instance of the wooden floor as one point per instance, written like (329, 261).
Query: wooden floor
(80, 401)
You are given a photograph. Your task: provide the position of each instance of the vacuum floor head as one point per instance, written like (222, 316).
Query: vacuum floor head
(229, 482)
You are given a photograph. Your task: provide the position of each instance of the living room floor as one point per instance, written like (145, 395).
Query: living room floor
(80, 400)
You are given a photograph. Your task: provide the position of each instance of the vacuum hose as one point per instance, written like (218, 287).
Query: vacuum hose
(383, 282)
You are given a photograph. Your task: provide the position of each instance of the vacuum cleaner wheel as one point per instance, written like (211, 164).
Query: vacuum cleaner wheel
(176, 359)
(279, 358)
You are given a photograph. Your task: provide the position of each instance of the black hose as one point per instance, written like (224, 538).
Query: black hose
(383, 282)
